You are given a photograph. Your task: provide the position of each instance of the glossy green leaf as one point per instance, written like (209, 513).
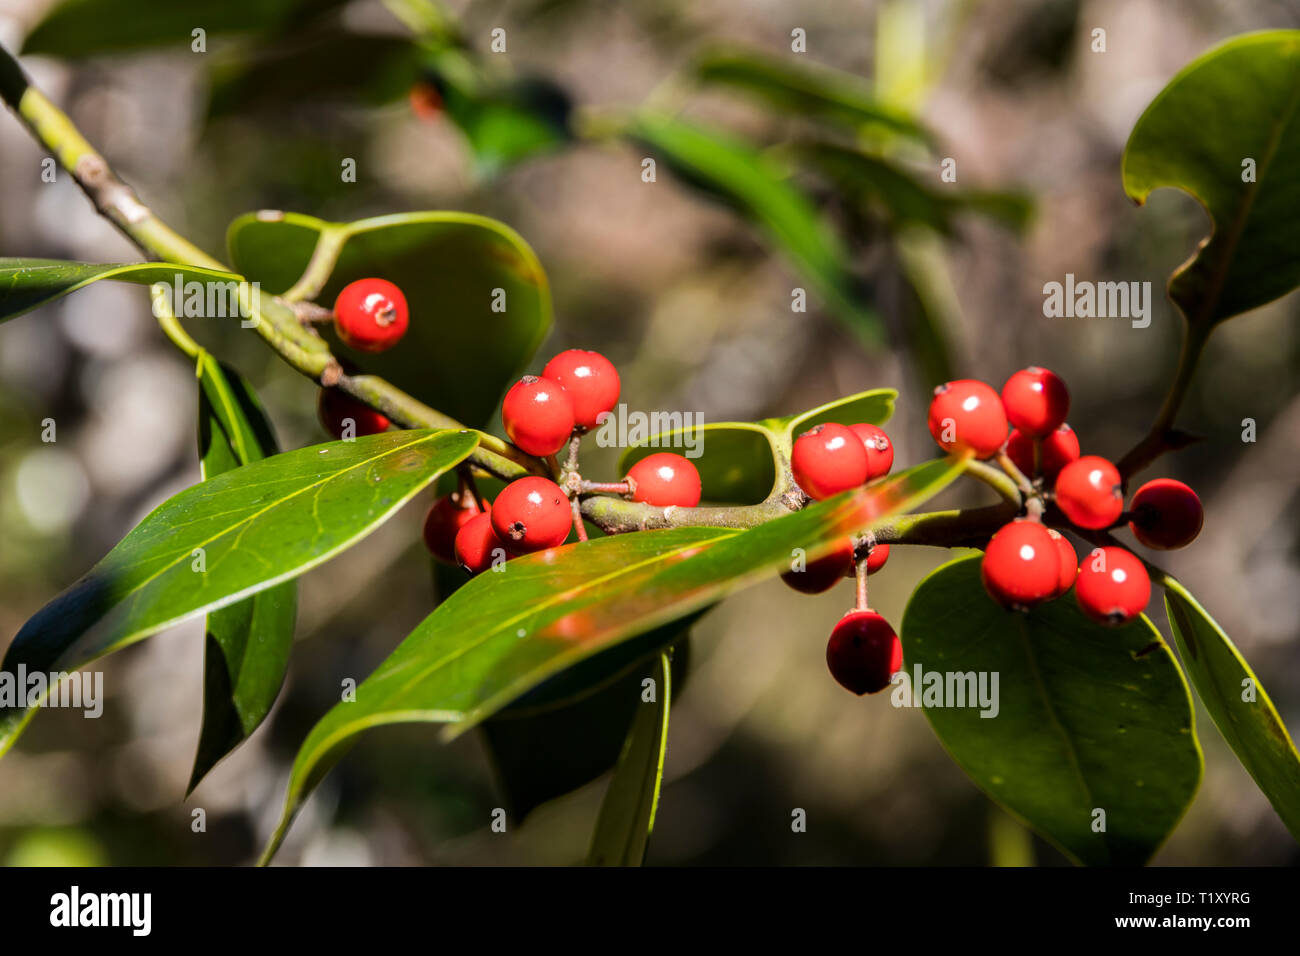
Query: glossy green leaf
(26, 284)
(736, 460)
(228, 538)
(506, 632)
(733, 171)
(1237, 702)
(246, 652)
(805, 91)
(78, 28)
(571, 729)
(1088, 718)
(459, 355)
(1234, 108)
(627, 816)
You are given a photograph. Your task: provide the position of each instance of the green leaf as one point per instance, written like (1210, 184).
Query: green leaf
(879, 184)
(246, 652)
(1238, 102)
(805, 91)
(329, 64)
(569, 730)
(1237, 702)
(736, 460)
(733, 171)
(26, 284)
(459, 355)
(78, 28)
(627, 817)
(505, 632)
(1088, 718)
(228, 538)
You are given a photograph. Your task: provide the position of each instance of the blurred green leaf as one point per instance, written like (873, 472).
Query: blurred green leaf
(627, 815)
(1088, 718)
(873, 407)
(805, 90)
(884, 186)
(315, 66)
(1237, 702)
(1237, 103)
(78, 28)
(26, 284)
(505, 632)
(733, 171)
(247, 646)
(225, 539)
(459, 355)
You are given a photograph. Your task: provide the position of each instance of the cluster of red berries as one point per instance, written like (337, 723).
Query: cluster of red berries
(863, 651)
(1026, 562)
(540, 414)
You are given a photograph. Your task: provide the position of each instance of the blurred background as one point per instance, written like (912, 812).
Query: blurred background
(687, 287)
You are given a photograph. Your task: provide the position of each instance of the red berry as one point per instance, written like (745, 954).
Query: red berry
(1059, 449)
(591, 381)
(822, 574)
(880, 450)
(344, 417)
(877, 558)
(968, 414)
(426, 102)
(665, 479)
(538, 415)
(443, 522)
(1166, 514)
(531, 514)
(1113, 586)
(1069, 567)
(1021, 565)
(1090, 493)
(1036, 401)
(863, 652)
(828, 459)
(478, 546)
(370, 315)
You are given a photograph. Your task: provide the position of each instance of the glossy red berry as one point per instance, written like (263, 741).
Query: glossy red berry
(1036, 401)
(538, 415)
(1113, 587)
(443, 522)
(591, 381)
(344, 417)
(1059, 449)
(1069, 562)
(1021, 565)
(1166, 514)
(967, 414)
(665, 479)
(880, 450)
(477, 546)
(1090, 493)
(863, 652)
(370, 315)
(824, 573)
(877, 558)
(828, 459)
(531, 514)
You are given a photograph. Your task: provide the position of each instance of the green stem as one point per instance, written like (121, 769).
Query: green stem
(1163, 436)
(996, 480)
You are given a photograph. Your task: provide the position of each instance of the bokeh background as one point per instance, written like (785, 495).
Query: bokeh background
(693, 304)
